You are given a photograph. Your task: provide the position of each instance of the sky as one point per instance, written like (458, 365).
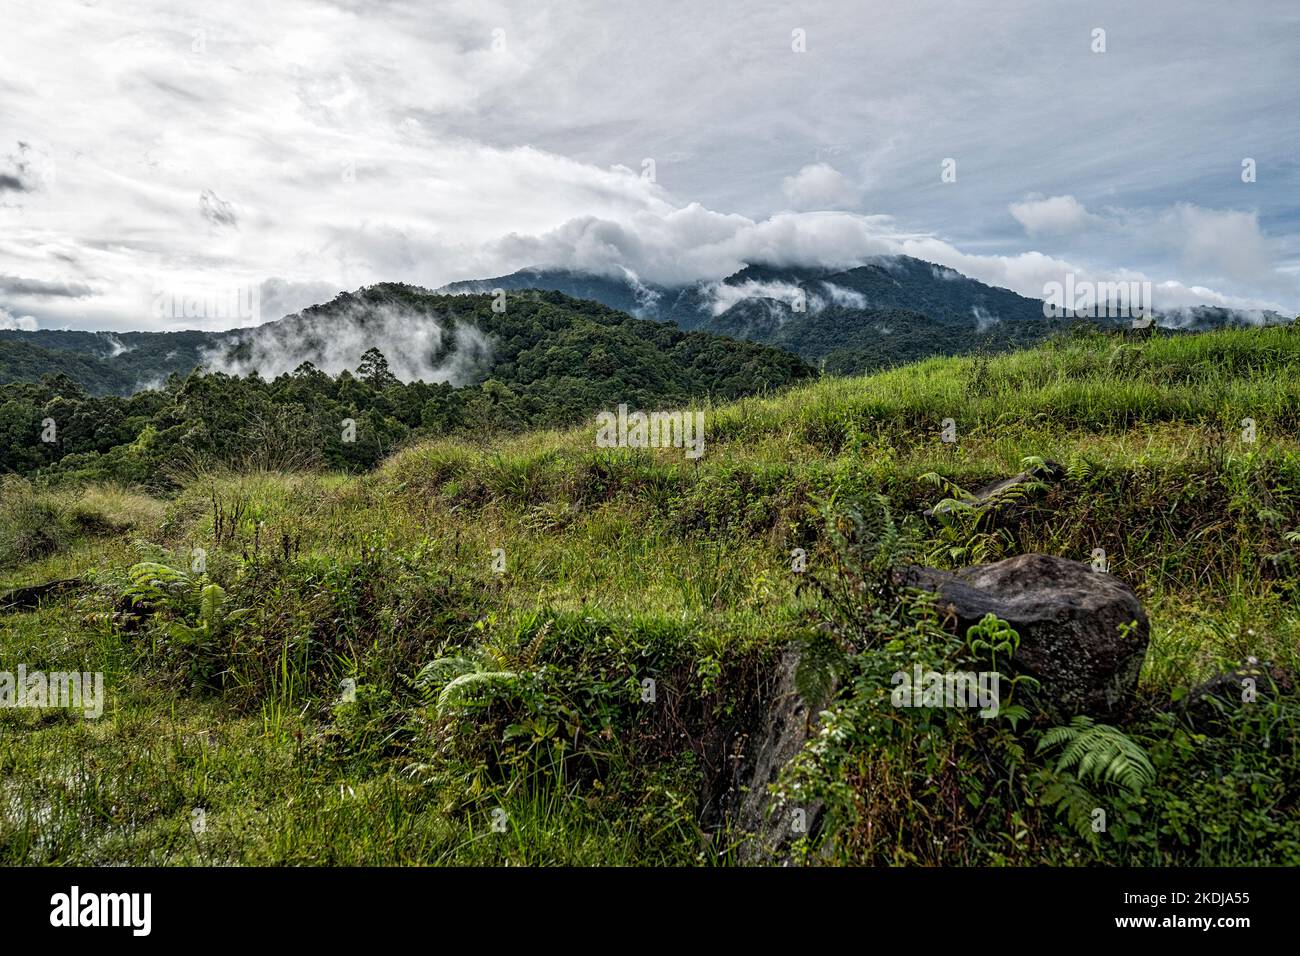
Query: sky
(160, 159)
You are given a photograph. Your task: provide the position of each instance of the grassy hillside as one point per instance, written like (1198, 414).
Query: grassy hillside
(517, 697)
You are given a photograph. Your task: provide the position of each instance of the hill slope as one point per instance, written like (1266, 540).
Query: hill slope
(580, 638)
(103, 363)
(552, 345)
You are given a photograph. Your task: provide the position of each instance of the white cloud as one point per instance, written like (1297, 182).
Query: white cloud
(335, 341)
(672, 246)
(308, 147)
(1056, 215)
(1224, 243)
(726, 295)
(984, 319)
(817, 186)
(9, 322)
(1029, 273)
(848, 298)
(116, 346)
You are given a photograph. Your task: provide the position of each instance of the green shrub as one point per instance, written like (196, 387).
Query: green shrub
(33, 524)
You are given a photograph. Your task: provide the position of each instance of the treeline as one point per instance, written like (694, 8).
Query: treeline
(555, 362)
(537, 338)
(101, 362)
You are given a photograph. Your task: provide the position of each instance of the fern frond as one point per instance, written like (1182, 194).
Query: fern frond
(438, 673)
(475, 689)
(211, 600)
(1075, 802)
(1101, 753)
(954, 491)
(1078, 469)
(821, 662)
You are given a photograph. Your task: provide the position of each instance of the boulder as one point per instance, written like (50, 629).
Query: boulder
(1073, 624)
(1252, 681)
(782, 734)
(749, 756)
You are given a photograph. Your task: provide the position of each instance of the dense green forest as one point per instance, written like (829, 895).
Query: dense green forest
(552, 362)
(847, 341)
(103, 363)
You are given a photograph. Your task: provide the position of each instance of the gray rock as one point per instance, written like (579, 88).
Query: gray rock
(1252, 682)
(1071, 620)
(749, 757)
(1068, 617)
(779, 737)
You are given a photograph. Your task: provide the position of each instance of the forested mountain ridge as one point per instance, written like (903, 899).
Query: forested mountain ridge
(399, 320)
(103, 362)
(543, 361)
(886, 312)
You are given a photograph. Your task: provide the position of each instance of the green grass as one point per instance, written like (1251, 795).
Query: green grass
(680, 569)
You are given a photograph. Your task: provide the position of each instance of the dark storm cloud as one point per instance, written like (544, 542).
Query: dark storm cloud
(16, 171)
(17, 285)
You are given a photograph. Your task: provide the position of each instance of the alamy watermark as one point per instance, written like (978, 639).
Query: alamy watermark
(950, 689)
(1083, 298)
(75, 908)
(655, 430)
(57, 689)
(242, 303)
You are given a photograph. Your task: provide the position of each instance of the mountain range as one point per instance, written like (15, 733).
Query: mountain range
(885, 312)
(888, 311)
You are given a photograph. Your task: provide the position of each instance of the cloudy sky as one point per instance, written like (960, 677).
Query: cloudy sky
(153, 150)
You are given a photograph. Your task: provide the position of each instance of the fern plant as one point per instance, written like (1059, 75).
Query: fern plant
(156, 586)
(1096, 753)
(993, 636)
(1079, 470)
(1100, 753)
(464, 681)
(199, 619)
(212, 617)
(867, 546)
(966, 532)
(476, 689)
(475, 679)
